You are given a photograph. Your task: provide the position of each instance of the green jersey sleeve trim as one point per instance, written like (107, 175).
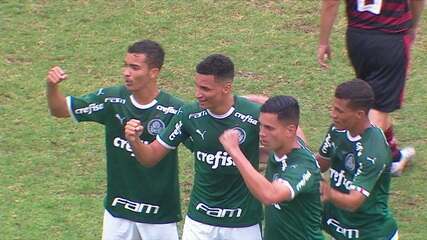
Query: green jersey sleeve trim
(164, 144)
(69, 100)
(287, 184)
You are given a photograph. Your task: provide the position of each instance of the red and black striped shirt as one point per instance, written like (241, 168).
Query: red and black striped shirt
(391, 16)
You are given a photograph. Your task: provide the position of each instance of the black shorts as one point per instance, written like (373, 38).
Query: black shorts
(381, 60)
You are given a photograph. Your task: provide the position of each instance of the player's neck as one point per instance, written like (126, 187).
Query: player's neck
(224, 107)
(287, 147)
(359, 129)
(146, 95)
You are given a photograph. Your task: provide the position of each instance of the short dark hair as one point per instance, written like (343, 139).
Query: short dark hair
(153, 52)
(218, 65)
(286, 108)
(358, 92)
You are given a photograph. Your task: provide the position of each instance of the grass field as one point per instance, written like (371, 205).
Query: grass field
(52, 172)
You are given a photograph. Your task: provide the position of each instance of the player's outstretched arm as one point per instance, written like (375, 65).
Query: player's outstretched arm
(328, 14)
(55, 99)
(146, 154)
(417, 7)
(258, 185)
(349, 201)
(260, 99)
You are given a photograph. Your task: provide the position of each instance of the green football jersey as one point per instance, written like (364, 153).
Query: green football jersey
(360, 163)
(300, 217)
(219, 196)
(134, 192)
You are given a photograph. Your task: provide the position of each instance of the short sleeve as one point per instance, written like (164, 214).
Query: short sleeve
(370, 168)
(298, 177)
(174, 133)
(89, 107)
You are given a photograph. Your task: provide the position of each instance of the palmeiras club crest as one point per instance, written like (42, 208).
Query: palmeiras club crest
(349, 162)
(155, 126)
(242, 134)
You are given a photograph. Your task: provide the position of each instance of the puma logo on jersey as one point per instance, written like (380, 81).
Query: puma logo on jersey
(100, 92)
(372, 160)
(202, 134)
(120, 118)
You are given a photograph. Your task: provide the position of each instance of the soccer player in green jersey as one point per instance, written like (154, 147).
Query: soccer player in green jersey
(291, 186)
(221, 206)
(140, 202)
(359, 159)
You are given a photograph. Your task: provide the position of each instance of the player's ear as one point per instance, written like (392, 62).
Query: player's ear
(227, 87)
(291, 128)
(360, 114)
(154, 72)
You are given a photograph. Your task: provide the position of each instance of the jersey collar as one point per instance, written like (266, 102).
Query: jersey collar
(353, 139)
(280, 159)
(142, 106)
(228, 113)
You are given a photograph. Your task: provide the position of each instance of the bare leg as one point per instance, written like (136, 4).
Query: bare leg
(401, 158)
(380, 119)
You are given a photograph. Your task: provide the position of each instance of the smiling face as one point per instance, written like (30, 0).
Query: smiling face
(210, 92)
(136, 72)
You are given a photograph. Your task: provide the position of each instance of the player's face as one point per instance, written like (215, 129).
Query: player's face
(343, 116)
(272, 131)
(136, 72)
(209, 92)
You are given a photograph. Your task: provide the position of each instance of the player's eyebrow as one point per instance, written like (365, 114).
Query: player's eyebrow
(267, 126)
(130, 64)
(338, 109)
